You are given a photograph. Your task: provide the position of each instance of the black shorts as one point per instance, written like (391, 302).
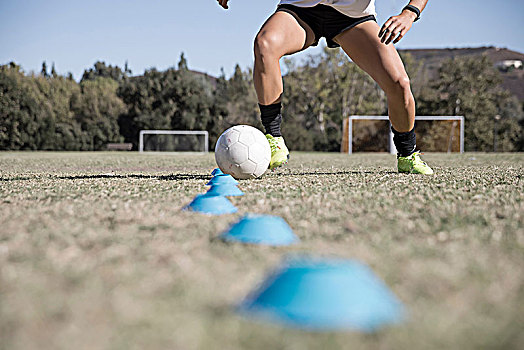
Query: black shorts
(325, 21)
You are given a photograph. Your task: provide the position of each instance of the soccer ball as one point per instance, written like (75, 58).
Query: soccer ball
(243, 152)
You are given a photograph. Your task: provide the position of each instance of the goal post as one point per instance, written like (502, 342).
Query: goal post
(448, 135)
(173, 141)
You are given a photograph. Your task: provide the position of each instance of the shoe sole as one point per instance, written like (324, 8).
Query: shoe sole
(413, 172)
(284, 163)
(281, 165)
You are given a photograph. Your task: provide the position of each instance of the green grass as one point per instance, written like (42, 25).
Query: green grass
(95, 251)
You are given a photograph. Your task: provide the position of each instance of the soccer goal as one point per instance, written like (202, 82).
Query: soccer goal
(365, 133)
(173, 141)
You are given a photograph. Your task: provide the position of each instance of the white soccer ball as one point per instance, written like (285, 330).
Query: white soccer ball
(243, 152)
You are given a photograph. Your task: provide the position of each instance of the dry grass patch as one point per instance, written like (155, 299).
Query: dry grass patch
(95, 251)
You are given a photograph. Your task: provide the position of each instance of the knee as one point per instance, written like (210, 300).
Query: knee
(399, 85)
(266, 46)
(403, 83)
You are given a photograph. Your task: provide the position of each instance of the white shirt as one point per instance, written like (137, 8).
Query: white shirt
(352, 8)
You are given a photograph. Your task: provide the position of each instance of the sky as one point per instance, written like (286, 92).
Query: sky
(74, 34)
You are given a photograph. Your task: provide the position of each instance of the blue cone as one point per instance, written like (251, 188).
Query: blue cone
(211, 204)
(216, 172)
(325, 295)
(261, 229)
(226, 190)
(223, 179)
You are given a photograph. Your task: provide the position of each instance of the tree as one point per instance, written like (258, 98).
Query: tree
(43, 71)
(32, 109)
(320, 93)
(56, 113)
(127, 70)
(470, 86)
(50, 112)
(97, 110)
(173, 99)
(53, 71)
(182, 64)
(101, 70)
(242, 103)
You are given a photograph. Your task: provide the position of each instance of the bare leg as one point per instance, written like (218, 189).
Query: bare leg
(282, 34)
(384, 65)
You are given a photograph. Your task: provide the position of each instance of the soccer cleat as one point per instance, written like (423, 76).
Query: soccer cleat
(279, 151)
(413, 165)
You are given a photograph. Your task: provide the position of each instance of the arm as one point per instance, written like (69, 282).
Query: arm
(223, 3)
(397, 26)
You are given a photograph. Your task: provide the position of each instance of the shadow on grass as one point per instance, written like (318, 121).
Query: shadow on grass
(173, 177)
(180, 177)
(7, 179)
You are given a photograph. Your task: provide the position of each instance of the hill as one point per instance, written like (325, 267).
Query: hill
(432, 59)
(211, 79)
(513, 79)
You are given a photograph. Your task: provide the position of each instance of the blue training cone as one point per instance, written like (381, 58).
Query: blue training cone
(222, 179)
(216, 172)
(261, 229)
(226, 190)
(324, 295)
(211, 204)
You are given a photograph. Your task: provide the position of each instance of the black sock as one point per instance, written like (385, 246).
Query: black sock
(271, 118)
(405, 142)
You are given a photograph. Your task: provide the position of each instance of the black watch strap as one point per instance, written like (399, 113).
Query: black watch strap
(413, 9)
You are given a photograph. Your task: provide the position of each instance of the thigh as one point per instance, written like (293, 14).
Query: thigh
(382, 62)
(286, 32)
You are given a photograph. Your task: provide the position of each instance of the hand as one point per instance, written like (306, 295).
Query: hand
(396, 27)
(223, 3)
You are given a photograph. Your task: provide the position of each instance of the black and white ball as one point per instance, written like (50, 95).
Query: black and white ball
(243, 152)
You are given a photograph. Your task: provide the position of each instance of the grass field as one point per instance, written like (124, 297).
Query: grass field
(95, 251)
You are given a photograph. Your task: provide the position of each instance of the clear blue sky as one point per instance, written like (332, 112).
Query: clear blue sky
(76, 33)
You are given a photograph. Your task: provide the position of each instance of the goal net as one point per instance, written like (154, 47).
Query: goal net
(173, 141)
(363, 133)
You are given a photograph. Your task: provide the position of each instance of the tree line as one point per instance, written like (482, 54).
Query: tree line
(47, 111)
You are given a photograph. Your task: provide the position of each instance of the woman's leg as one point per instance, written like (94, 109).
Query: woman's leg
(282, 34)
(384, 65)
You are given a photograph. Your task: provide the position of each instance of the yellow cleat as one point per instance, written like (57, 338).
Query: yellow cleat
(413, 165)
(279, 151)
